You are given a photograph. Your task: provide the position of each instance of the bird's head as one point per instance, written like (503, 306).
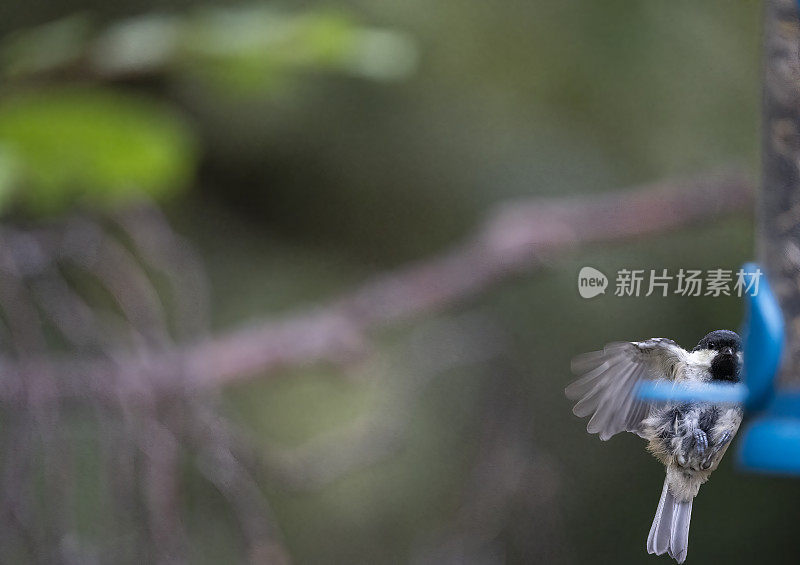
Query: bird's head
(724, 352)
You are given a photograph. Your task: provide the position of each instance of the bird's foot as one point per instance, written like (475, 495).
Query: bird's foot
(720, 444)
(694, 448)
(700, 442)
(723, 440)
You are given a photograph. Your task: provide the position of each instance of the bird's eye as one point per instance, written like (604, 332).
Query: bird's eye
(711, 345)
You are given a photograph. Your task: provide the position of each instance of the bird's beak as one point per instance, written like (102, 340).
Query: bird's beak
(727, 351)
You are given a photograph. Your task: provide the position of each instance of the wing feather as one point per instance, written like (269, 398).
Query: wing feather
(606, 389)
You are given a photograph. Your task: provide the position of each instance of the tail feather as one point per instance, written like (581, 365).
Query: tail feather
(670, 530)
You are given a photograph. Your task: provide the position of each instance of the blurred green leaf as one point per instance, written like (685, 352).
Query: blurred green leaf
(254, 47)
(93, 146)
(250, 47)
(139, 45)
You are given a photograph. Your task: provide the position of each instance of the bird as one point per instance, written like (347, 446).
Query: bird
(689, 439)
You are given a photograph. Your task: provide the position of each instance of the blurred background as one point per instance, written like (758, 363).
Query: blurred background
(173, 171)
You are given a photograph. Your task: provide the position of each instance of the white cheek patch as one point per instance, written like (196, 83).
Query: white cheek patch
(702, 357)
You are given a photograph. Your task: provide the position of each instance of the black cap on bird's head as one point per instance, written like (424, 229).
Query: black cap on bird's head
(725, 363)
(720, 340)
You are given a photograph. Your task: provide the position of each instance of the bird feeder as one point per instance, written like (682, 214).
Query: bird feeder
(770, 387)
(771, 440)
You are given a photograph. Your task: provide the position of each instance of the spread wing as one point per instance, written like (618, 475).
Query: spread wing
(607, 387)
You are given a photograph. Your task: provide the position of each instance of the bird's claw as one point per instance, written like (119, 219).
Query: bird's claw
(700, 442)
(694, 450)
(723, 440)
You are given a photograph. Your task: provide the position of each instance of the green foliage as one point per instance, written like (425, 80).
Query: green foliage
(252, 47)
(98, 146)
(256, 47)
(246, 47)
(90, 145)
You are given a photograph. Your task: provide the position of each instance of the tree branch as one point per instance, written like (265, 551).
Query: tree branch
(516, 237)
